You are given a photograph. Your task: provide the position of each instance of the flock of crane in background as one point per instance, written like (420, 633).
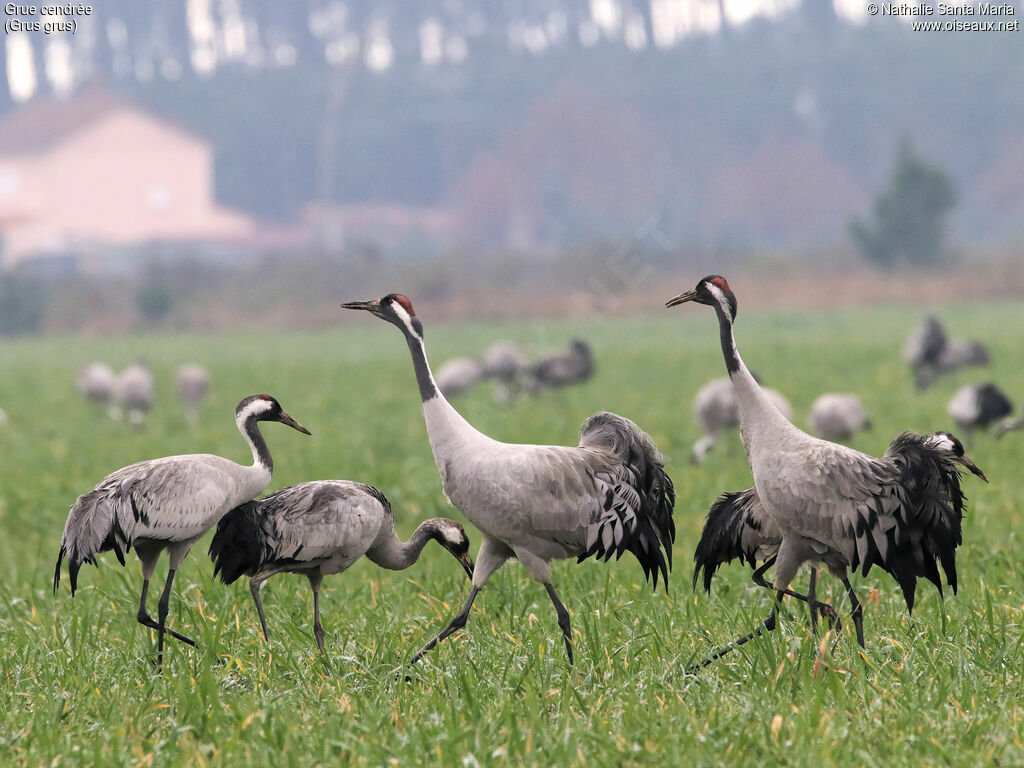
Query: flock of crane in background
(813, 502)
(130, 394)
(508, 366)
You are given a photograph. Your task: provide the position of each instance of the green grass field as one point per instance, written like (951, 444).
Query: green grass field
(77, 685)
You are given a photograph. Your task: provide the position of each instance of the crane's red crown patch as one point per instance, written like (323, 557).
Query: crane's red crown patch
(406, 304)
(722, 283)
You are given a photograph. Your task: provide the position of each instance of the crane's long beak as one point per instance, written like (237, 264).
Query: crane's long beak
(284, 418)
(682, 298)
(973, 467)
(467, 563)
(370, 306)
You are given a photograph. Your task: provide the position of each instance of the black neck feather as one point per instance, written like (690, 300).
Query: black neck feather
(732, 358)
(428, 390)
(259, 445)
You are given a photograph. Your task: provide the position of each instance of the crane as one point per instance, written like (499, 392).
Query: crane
(714, 408)
(192, 383)
(563, 368)
(317, 529)
(1008, 424)
(458, 375)
(96, 383)
(134, 393)
(977, 406)
(838, 416)
(536, 503)
(834, 506)
(930, 353)
(737, 524)
(167, 503)
(505, 363)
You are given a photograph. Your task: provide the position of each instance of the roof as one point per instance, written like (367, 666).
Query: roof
(45, 122)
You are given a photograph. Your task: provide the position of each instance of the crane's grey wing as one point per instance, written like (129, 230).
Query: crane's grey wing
(324, 519)
(170, 499)
(608, 496)
(592, 506)
(299, 524)
(176, 498)
(736, 526)
(901, 512)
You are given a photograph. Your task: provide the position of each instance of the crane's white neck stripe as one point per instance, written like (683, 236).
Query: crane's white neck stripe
(254, 408)
(940, 442)
(725, 320)
(720, 298)
(405, 317)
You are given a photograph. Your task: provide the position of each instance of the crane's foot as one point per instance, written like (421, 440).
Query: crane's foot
(454, 625)
(148, 621)
(768, 625)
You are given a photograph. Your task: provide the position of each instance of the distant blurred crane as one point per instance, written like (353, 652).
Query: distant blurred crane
(505, 363)
(563, 369)
(715, 409)
(458, 375)
(977, 406)
(192, 383)
(97, 382)
(167, 503)
(317, 529)
(134, 393)
(838, 417)
(930, 353)
(1008, 424)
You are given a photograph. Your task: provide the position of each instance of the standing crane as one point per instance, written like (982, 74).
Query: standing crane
(930, 353)
(838, 417)
(537, 503)
(192, 383)
(563, 369)
(715, 409)
(505, 363)
(832, 505)
(96, 382)
(978, 406)
(737, 524)
(458, 375)
(167, 503)
(134, 393)
(317, 529)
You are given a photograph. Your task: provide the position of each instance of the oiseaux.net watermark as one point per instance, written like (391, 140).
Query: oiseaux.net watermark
(951, 17)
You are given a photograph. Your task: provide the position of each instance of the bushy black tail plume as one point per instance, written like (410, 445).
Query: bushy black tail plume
(635, 514)
(239, 544)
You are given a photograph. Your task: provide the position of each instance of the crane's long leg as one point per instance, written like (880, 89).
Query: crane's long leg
(315, 580)
(812, 596)
(148, 621)
(767, 625)
(825, 609)
(455, 624)
(489, 558)
(563, 618)
(162, 608)
(856, 611)
(254, 587)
